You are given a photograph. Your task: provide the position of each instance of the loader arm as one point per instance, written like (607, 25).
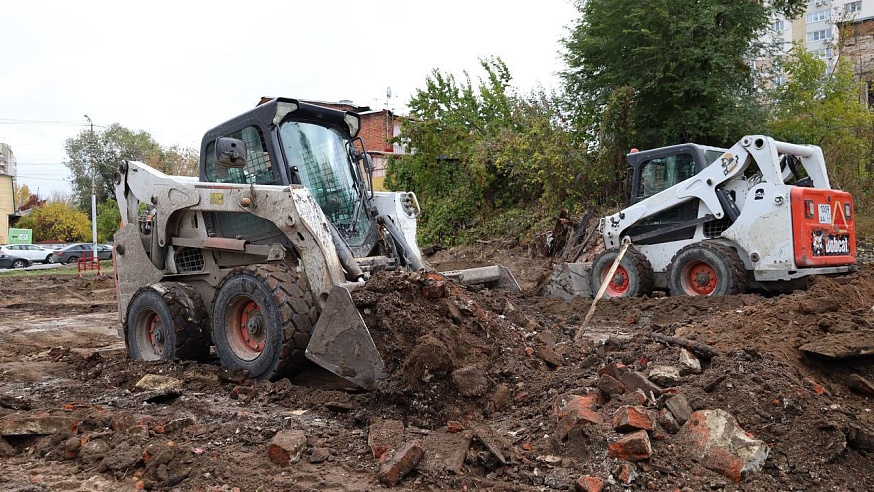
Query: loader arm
(292, 209)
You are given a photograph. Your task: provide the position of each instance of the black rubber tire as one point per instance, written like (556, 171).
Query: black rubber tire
(635, 274)
(276, 302)
(20, 263)
(720, 271)
(72, 260)
(175, 313)
(50, 259)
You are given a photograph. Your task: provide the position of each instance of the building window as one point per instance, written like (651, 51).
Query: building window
(825, 53)
(778, 26)
(853, 7)
(779, 80)
(821, 35)
(818, 16)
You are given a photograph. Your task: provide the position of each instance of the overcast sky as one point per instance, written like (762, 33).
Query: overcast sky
(176, 69)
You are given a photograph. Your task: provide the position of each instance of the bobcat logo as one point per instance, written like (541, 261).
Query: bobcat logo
(817, 244)
(729, 162)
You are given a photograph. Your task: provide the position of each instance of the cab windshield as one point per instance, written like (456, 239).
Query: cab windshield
(325, 168)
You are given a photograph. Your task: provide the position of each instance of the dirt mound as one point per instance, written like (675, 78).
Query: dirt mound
(490, 383)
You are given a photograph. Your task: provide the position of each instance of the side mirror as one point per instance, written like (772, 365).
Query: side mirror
(230, 152)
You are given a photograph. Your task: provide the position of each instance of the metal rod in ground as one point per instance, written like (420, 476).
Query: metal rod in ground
(607, 280)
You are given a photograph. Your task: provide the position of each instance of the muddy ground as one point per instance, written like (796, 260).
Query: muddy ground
(494, 366)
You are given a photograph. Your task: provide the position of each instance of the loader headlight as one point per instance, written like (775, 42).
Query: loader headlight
(410, 204)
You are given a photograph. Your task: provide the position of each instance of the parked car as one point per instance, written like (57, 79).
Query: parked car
(73, 252)
(9, 261)
(32, 252)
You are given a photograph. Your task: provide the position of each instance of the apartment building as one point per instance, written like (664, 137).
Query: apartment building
(818, 29)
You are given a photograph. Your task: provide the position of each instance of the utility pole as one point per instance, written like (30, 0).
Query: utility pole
(93, 190)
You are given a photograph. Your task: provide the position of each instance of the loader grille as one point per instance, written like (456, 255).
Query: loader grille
(715, 228)
(189, 260)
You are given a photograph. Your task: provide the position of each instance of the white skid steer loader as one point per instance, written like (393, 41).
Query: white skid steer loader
(258, 255)
(710, 221)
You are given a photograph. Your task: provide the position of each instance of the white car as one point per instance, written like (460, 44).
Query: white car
(34, 253)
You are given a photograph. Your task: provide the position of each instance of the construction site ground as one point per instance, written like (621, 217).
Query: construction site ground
(480, 379)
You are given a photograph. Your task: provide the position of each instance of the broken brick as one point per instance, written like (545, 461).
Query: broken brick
(714, 438)
(575, 410)
(398, 462)
(384, 435)
(631, 447)
(548, 355)
(626, 473)
(589, 484)
(454, 426)
(285, 447)
(615, 370)
(631, 418)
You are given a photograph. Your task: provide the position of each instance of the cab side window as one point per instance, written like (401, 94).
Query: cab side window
(659, 174)
(258, 169)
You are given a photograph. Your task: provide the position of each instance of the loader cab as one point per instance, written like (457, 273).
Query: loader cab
(290, 142)
(656, 170)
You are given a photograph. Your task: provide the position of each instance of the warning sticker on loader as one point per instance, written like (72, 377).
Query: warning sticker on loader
(828, 244)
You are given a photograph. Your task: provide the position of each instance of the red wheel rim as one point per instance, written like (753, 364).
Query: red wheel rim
(699, 279)
(246, 330)
(619, 284)
(155, 334)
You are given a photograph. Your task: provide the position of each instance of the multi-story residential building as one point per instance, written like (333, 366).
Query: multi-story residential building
(8, 169)
(818, 30)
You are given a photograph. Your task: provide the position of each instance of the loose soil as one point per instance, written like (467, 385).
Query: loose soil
(485, 359)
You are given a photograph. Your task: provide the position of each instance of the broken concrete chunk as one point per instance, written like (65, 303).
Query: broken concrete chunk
(610, 386)
(636, 381)
(689, 364)
(631, 447)
(631, 418)
(37, 425)
(714, 438)
(285, 447)
(384, 435)
(679, 408)
(664, 375)
(445, 451)
(157, 382)
(668, 422)
(397, 463)
(493, 441)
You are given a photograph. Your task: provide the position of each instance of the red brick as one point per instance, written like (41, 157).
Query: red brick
(575, 410)
(286, 446)
(589, 484)
(610, 386)
(631, 418)
(627, 473)
(454, 426)
(714, 438)
(614, 370)
(384, 435)
(398, 462)
(631, 447)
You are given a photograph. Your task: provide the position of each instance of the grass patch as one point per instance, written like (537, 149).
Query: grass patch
(105, 269)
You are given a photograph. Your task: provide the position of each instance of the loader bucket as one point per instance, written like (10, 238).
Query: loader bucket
(569, 280)
(341, 342)
(494, 276)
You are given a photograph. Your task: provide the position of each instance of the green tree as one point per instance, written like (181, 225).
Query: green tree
(480, 150)
(57, 221)
(108, 220)
(97, 155)
(665, 71)
(824, 108)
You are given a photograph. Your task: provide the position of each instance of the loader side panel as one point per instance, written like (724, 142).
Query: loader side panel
(823, 225)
